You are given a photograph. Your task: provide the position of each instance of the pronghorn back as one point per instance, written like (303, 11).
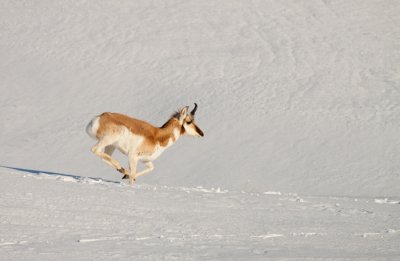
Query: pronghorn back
(111, 123)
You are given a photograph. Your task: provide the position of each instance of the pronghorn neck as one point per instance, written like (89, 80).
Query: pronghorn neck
(169, 133)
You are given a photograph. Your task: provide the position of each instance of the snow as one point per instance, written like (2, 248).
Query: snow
(299, 102)
(55, 217)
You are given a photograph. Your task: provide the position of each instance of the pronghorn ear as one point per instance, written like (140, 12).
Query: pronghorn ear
(183, 114)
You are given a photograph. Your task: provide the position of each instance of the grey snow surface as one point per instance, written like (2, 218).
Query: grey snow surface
(55, 217)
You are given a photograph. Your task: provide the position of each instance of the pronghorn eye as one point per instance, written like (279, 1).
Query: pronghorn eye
(189, 122)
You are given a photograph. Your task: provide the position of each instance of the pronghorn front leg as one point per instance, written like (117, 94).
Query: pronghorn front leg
(149, 166)
(132, 165)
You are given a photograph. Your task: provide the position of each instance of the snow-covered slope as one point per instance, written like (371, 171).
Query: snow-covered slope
(60, 217)
(295, 96)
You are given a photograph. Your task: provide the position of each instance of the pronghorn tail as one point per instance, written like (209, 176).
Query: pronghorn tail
(92, 127)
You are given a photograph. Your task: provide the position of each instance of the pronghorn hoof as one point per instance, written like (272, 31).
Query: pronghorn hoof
(125, 177)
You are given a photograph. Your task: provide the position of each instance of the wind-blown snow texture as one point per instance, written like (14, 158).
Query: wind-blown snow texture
(294, 96)
(298, 96)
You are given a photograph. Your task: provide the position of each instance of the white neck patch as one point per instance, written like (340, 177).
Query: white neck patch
(176, 133)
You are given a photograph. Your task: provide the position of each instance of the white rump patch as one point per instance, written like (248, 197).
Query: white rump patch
(93, 126)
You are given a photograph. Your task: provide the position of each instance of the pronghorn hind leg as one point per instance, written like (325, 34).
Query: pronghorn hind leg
(109, 150)
(149, 168)
(106, 156)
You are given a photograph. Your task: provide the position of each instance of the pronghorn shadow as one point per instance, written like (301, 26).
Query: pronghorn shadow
(58, 174)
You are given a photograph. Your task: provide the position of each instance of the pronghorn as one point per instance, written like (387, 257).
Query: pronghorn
(137, 139)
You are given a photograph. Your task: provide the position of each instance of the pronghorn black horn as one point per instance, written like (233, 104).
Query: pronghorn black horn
(194, 110)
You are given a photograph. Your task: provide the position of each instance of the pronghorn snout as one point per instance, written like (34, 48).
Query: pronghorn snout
(192, 129)
(200, 132)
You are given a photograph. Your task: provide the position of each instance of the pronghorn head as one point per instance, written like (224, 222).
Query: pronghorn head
(187, 121)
